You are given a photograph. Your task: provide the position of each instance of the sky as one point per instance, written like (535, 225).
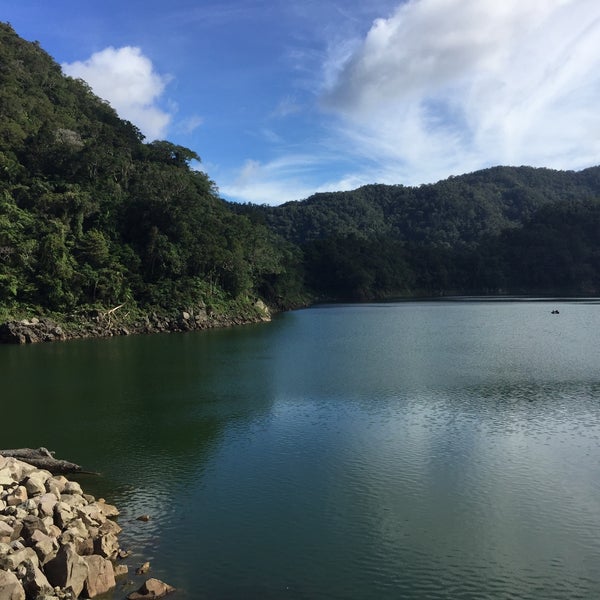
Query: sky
(285, 98)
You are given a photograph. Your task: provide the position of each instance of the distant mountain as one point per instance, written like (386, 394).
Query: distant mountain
(503, 229)
(458, 210)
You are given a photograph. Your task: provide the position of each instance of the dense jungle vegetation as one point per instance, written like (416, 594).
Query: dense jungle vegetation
(515, 230)
(91, 215)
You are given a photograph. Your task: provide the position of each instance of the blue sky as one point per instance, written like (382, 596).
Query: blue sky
(285, 98)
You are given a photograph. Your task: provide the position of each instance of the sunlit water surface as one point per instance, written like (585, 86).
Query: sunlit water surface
(409, 450)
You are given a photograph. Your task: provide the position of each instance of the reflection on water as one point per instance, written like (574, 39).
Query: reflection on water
(410, 450)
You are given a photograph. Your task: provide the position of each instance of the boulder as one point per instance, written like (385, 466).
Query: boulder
(143, 569)
(6, 531)
(73, 500)
(107, 545)
(72, 487)
(120, 570)
(100, 578)
(46, 504)
(108, 510)
(10, 587)
(6, 477)
(63, 514)
(56, 485)
(91, 515)
(109, 527)
(35, 582)
(4, 549)
(45, 547)
(31, 523)
(11, 561)
(18, 496)
(35, 484)
(153, 588)
(67, 569)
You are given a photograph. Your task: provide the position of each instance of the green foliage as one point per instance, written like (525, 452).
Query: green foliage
(498, 230)
(89, 214)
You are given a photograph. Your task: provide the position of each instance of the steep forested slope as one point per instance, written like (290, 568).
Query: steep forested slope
(91, 215)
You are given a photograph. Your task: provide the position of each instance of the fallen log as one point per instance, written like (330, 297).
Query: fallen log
(42, 458)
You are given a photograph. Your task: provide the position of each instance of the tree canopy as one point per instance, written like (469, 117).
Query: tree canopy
(92, 215)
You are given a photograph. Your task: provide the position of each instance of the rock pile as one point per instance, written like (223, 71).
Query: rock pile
(97, 324)
(31, 331)
(56, 543)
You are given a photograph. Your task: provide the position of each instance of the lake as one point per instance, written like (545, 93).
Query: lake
(444, 449)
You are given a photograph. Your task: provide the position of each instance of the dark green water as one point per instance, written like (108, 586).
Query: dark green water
(404, 451)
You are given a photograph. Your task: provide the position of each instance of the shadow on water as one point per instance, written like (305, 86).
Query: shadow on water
(156, 405)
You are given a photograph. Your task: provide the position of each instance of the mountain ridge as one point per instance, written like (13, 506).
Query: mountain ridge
(92, 218)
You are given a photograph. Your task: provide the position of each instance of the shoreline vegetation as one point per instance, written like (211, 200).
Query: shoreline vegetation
(57, 542)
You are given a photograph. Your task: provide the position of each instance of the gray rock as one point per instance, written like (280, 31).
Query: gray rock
(120, 570)
(10, 587)
(35, 582)
(6, 477)
(107, 546)
(91, 515)
(72, 487)
(56, 485)
(109, 527)
(108, 510)
(35, 484)
(4, 549)
(18, 496)
(11, 561)
(67, 569)
(6, 530)
(153, 588)
(31, 523)
(63, 514)
(100, 578)
(73, 500)
(46, 503)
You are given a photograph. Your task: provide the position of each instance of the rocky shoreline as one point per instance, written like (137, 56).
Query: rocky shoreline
(56, 542)
(100, 324)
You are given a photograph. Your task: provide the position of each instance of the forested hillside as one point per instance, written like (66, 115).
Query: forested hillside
(90, 215)
(499, 230)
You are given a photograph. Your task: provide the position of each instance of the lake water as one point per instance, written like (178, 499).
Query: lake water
(405, 451)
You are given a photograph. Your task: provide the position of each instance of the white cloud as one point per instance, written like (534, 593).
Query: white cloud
(291, 177)
(447, 86)
(272, 182)
(126, 78)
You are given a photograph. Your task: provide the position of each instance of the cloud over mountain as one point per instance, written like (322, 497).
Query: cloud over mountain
(446, 86)
(127, 79)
